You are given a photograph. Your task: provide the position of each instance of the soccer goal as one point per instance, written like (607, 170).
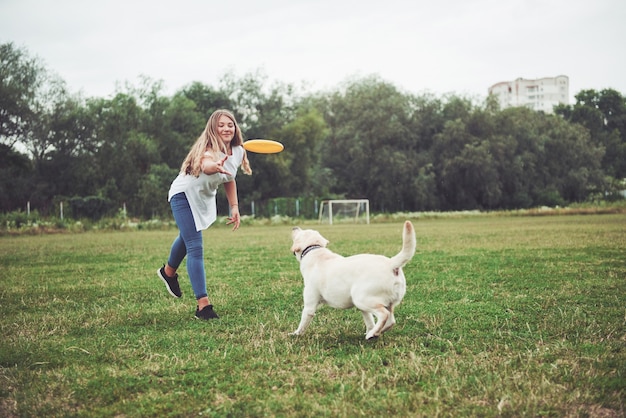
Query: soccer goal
(349, 210)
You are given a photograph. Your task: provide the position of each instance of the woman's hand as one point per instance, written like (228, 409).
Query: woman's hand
(234, 217)
(209, 166)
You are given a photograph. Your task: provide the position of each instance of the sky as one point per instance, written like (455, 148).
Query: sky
(436, 47)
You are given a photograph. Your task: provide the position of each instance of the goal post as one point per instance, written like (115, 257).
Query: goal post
(345, 210)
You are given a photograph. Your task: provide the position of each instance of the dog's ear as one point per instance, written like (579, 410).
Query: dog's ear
(296, 245)
(321, 241)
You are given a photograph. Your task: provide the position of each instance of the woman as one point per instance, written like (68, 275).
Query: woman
(212, 160)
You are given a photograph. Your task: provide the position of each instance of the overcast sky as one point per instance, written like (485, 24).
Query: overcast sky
(435, 46)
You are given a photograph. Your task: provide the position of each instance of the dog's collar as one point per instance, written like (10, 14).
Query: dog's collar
(309, 249)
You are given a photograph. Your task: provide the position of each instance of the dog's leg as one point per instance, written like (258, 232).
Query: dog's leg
(391, 321)
(382, 316)
(311, 300)
(307, 315)
(369, 321)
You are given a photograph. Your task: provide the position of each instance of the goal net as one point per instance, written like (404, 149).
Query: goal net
(349, 210)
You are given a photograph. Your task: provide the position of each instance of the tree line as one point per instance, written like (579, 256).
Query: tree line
(364, 139)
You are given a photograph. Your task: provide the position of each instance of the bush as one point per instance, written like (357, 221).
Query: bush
(18, 219)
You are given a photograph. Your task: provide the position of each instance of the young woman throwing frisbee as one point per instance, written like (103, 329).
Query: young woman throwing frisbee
(213, 160)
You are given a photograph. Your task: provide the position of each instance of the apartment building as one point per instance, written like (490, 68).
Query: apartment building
(540, 94)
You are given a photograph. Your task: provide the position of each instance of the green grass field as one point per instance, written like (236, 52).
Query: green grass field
(504, 316)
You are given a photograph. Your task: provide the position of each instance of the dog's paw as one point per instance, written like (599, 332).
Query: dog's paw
(370, 336)
(296, 333)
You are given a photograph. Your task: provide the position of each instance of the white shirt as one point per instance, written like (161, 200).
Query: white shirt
(201, 190)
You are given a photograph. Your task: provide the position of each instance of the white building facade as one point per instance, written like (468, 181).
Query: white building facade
(541, 94)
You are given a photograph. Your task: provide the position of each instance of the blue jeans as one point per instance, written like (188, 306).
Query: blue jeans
(188, 243)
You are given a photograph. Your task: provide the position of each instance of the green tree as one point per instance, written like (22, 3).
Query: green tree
(371, 146)
(173, 122)
(466, 170)
(63, 146)
(124, 153)
(263, 110)
(15, 172)
(427, 120)
(183, 125)
(20, 78)
(603, 113)
(152, 192)
(301, 158)
(39, 113)
(554, 162)
(572, 162)
(518, 155)
(207, 98)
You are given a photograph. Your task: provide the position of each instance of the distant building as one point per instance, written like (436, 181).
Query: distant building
(540, 94)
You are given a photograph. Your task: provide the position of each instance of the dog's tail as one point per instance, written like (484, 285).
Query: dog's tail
(408, 246)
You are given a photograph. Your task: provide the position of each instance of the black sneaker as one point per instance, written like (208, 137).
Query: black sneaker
(206, 313)
(171, 283)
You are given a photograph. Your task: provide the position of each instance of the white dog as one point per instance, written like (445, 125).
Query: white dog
(375, 284)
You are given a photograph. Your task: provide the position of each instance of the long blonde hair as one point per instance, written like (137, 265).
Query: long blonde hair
(209, 142)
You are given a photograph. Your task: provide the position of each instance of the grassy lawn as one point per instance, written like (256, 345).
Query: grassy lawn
(504, 316)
